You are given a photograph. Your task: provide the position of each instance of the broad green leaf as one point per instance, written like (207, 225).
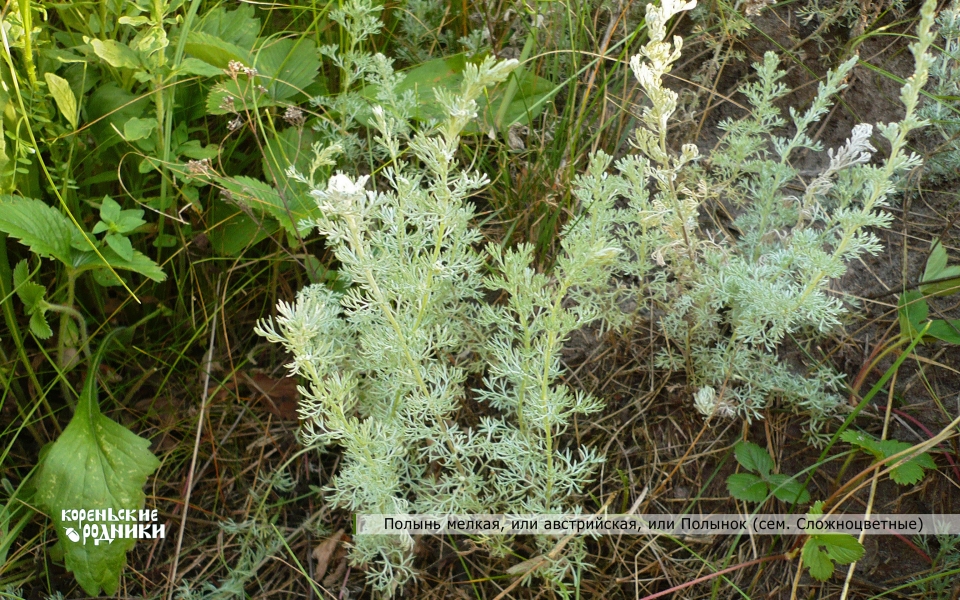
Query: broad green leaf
(63, 96)
(936, 262)
(233, 231)
(120, 245)
(133, 21)
(215, 51)
(289, 210)
(788, 490)
(238, 26)
(944, 288)
(841, 547)
(912, 315)
(95, 464)
(287, 66)
(139, 263)
(861, 440)
(533, 94)
(118, 219)
(822, 549)
(912, 311)
(138, 129)
(31, 294)
(109, 209)
(116, 54)
(937, 268)
(945, 330)
(195, 66)
(748, 487)
(108, 109)
(753, 458)
(40, 227)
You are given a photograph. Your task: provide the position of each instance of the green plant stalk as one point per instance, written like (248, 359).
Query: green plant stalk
(166, 126)
(43, 165)
(26, 16)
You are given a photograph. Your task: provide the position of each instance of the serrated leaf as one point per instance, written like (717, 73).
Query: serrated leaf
(841, 547)
(288, 66)
(116, 54)
(753, 458)
(262, 197)
(31, 294)
(906, 473)
(39, 227)
(63, 96)
(96, 463)
(910, 472)
(747, 487)
(39, 325)
(215, 51)
(861, 440)
(244, 95)
(238, 26)
(788, 490)
(816, 560)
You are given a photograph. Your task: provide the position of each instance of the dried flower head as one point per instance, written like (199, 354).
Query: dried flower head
(294, 116)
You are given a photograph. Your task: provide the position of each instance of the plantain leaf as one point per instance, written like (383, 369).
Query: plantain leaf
(95, 464)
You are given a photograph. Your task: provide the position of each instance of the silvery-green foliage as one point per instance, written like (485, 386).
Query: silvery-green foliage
(727, 298)
(384, 365)
(943, 109)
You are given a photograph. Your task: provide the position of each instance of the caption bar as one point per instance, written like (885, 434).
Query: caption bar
(676, 525)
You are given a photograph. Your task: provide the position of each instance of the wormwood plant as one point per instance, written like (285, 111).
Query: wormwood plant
(727, 297)
(385, 364)
(943, 109)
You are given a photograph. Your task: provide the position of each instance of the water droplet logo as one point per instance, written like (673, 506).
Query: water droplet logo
(72, 534)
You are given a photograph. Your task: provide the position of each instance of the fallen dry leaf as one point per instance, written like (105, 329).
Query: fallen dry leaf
(324, 552)
(279, 396)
